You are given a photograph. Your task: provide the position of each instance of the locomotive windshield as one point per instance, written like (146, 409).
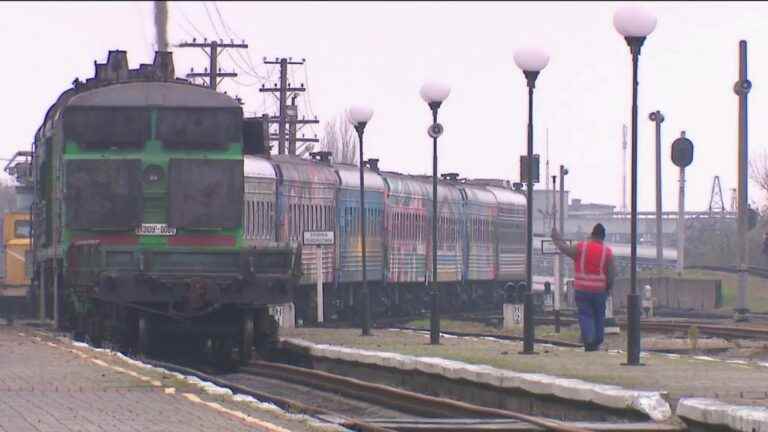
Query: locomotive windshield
(104, 128)
(103, 193)
(205, 193)
(199, 128)
(21, 229)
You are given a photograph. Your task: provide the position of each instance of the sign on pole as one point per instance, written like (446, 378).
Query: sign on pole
(318, 238)
(548, 247)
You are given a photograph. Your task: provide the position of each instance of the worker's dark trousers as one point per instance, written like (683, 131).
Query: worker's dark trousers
(591, 317)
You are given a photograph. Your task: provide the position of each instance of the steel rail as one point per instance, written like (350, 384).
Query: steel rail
(496, 336)
(285, 404)
(401, 399)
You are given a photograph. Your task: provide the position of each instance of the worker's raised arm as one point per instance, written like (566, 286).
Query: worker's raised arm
(562, 245)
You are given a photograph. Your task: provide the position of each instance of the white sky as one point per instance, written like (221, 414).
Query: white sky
(380, 53)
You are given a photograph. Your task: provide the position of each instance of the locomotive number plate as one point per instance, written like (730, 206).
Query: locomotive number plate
(155, 229)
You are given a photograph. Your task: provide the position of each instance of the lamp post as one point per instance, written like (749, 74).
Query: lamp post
(434, 93)
(531, 61)
(359, 116)
(634, 24)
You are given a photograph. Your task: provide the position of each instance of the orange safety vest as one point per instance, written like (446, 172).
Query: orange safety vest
(590, 266)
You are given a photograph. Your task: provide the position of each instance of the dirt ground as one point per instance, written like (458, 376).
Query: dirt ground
(737, 382)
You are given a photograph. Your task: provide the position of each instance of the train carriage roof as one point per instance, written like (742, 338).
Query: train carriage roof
(404, 186)
(479, 195)
(297, 170)
(507, 196)
(258, 167)
(350, 178)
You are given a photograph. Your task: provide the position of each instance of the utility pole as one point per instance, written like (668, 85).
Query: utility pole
(657, 117)
(282, 118)
(292, 115)
(546, 188)
(560, 277)
(741, 88)
(213, 73)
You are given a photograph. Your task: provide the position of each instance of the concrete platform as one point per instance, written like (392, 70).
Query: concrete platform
(665, 382)
(50, 384)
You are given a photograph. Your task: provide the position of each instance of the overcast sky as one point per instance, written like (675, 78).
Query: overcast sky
(380, 53)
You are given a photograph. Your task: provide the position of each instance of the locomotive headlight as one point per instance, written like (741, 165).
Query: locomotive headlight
(153, 174)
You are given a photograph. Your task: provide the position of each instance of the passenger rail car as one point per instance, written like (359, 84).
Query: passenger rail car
(481, 235)
(148, 239)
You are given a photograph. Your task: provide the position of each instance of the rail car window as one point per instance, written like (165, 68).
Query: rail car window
(259, 219)
(21, 229)
(205, 193)
(106, 128)
(103, 194)
(199, 128)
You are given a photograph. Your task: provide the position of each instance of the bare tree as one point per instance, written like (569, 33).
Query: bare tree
(339, 137)
(758, 171)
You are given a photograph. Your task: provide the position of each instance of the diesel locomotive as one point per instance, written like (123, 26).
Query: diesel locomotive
(137, 216)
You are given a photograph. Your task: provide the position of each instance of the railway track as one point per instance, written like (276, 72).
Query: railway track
(705, 327)
(363, 406)
(753, 270)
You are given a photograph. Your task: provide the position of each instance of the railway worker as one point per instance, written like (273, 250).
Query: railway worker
(594, 274)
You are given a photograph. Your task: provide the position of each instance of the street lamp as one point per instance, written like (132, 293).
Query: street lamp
(635, 24)
(434, 93)
(359, 116)
(531, 61)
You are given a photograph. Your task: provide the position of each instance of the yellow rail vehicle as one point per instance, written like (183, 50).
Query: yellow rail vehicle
(17, 262)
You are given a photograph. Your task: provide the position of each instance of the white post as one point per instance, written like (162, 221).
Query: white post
(681, 224)
(611, 327)
(558, 282)
(319, 284)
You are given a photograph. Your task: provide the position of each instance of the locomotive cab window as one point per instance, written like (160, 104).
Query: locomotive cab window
(199, 128)
(107, 128)
(21, 229)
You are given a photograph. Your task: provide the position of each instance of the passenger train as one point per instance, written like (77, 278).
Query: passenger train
(481, 234)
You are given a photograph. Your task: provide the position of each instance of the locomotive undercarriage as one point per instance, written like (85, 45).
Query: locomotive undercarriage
(212, 315)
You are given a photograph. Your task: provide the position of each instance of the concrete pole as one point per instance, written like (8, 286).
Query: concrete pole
(41, 292)
(681, 223)
(658, 118)
(560, 277)
(742, 87)
(319, 284)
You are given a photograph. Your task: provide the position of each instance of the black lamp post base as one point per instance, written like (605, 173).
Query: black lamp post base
(633, 330)
(529, 335)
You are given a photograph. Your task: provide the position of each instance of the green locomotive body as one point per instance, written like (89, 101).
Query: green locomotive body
(138, 215)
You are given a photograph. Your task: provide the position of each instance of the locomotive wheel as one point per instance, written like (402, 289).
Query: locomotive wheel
(220, 353)
(247, 337)
(144, 335)
(267, 330)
